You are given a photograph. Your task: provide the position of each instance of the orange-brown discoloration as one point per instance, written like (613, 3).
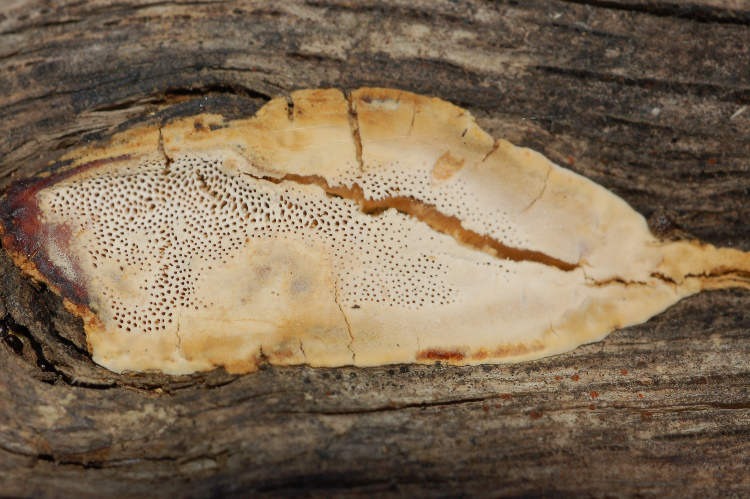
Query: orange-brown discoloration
(445, 168)
(504, 352)
(480, 354)
(437, 354)
(518, 350)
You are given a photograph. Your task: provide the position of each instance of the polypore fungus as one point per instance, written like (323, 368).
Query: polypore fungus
(381, 228)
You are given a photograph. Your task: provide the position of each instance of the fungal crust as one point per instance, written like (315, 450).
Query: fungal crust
(372, 228)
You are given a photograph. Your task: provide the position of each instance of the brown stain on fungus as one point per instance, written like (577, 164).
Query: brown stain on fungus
(439, 354)
(445, 167)
(480, 354)
(517, 350)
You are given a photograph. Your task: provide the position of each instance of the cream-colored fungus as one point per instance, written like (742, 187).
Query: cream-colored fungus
(381, 228)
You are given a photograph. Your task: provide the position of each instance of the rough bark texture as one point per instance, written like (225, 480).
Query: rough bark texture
(649, 98)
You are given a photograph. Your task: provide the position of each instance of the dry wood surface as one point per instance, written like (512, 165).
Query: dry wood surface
(649, 98)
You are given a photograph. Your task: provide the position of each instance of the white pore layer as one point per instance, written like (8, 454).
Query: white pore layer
(171, 224)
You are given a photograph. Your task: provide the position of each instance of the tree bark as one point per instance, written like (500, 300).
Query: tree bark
(649, 98)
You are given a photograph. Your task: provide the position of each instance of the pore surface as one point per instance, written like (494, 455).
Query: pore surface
(382, 228)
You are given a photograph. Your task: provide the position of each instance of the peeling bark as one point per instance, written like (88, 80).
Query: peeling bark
(652, 113)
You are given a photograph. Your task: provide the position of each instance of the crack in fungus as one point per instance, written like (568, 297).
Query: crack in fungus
(354, 125)
(428, 214)
(346, 319)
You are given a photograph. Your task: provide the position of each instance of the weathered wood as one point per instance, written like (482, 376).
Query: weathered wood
(647, 97)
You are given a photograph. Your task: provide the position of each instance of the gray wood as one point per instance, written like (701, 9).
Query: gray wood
(650, 98)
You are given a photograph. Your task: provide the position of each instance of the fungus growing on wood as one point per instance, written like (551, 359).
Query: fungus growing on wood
(379, 228)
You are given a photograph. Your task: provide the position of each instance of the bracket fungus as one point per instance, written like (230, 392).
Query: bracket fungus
(376, 228)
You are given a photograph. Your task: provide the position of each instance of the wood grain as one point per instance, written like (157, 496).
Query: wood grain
(649, 98)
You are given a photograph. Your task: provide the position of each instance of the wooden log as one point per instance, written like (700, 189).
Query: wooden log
(649, 98)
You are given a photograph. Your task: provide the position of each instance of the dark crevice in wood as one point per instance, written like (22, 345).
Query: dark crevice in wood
(681, 10)
(171, 96)
(411, 12)
(400, 406)
(730, 94)
(49, 373)
(582, 28)
(163, 98)
(93, 85)
(10, 339)
(697, 406)
(120, 8)
(58, 313)
(43, 25)
(346, 485)
(313, 58)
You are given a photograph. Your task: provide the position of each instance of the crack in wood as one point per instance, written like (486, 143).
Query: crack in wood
(688, 11)
(395, 406)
